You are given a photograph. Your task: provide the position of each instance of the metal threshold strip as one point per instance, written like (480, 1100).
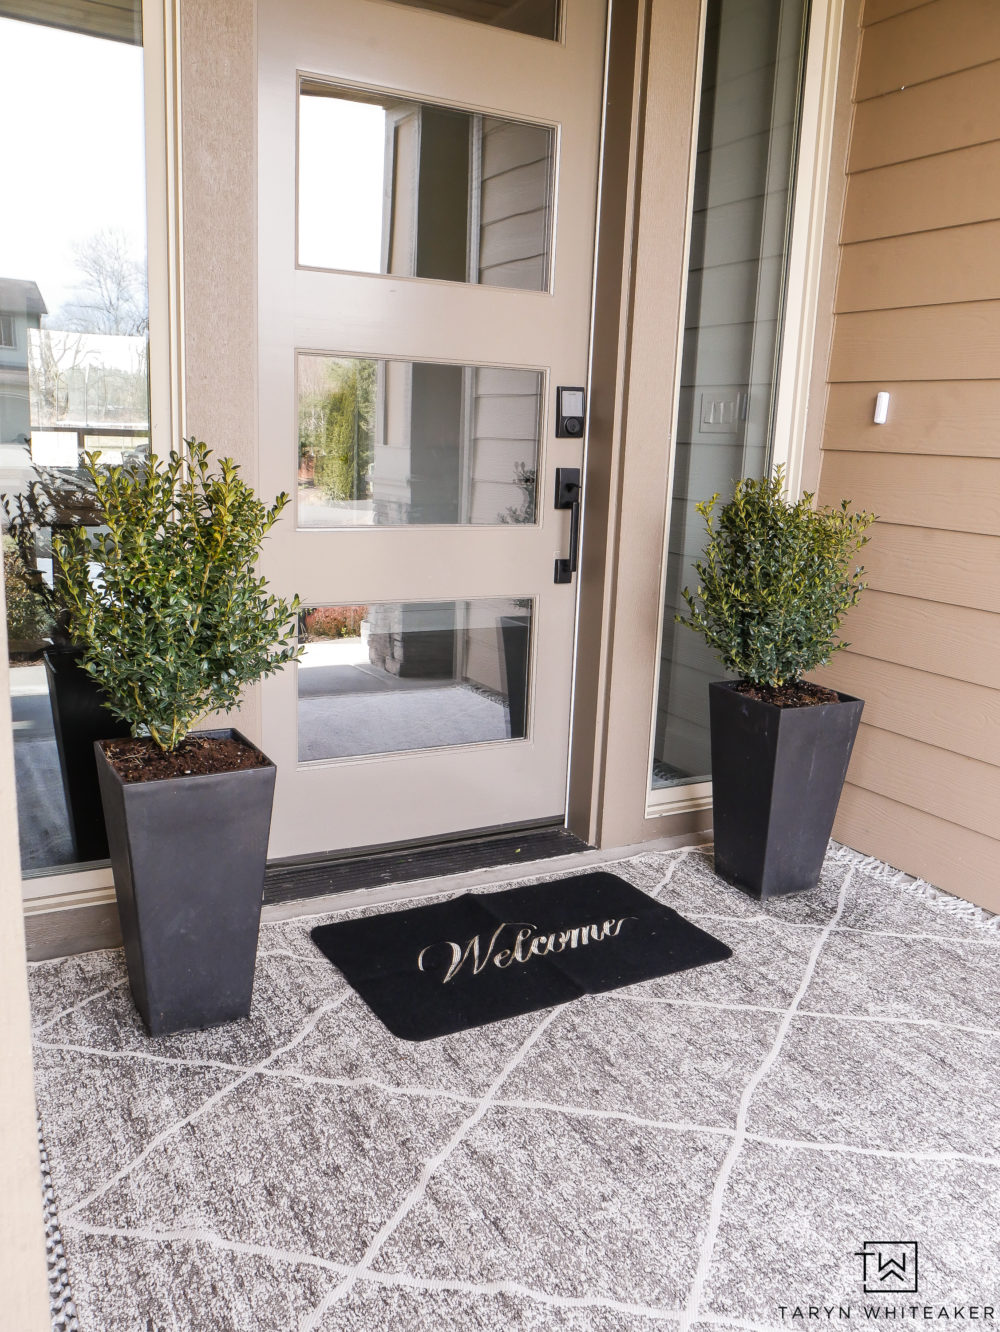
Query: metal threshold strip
(289, 881)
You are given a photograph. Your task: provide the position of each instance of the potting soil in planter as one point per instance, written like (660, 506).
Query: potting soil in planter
(141, 760)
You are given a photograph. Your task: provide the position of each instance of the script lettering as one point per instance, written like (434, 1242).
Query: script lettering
(459, 954)
(525, 945)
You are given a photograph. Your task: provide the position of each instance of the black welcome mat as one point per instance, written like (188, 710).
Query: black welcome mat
(438, 969)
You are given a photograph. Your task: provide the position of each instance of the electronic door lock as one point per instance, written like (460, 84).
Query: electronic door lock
(571, 412)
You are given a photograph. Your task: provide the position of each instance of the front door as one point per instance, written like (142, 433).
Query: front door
(426, 244)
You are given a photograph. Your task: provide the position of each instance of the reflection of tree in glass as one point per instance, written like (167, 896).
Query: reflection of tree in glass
(524, 479)
(336, 430)
(27, 614)
(112, 295)
(87, 379)
(317, 622)
(61, 497)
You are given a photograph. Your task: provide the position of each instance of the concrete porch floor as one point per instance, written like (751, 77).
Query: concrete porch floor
(697, 1151)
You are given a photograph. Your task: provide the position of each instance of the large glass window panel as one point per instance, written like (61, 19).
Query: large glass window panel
(397, 676)
(742, 202)
(73, 349)
(536, 18)
(388, 185)
(402, 443)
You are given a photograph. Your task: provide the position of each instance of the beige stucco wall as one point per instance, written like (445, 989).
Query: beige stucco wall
(219, 180)
(917, 313)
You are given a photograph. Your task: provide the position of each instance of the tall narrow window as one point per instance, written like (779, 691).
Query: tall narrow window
(747, 132)
(74, 368)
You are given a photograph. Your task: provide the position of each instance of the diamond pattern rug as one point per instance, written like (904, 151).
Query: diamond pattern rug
(709, 1149)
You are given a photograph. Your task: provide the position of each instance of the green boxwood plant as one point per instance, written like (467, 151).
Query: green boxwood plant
(775, 581)
(165, 599)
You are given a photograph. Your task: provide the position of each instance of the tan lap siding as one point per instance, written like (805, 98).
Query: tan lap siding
(918, 314)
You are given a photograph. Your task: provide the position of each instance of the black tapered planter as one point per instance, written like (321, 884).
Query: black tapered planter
(777, 775)
(515, 634)
(79, 717)
(188, 855)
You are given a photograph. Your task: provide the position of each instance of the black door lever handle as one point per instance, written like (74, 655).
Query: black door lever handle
(568, 497)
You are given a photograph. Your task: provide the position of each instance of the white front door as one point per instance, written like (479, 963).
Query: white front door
(426, 245)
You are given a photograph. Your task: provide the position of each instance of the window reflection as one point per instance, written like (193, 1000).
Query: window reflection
(400, 443)
(536, 18)
(736, 266)
(388, 185)
(73, 373)
(398, 676)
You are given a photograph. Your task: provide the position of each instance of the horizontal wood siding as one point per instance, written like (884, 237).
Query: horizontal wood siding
(954, 715)
(878, 10)
(926, 43)
(918, 315)
(925, 268)
(936, 117)
(949, 855)
(927, 778)
(950, 567)
(952, 494)
(954, 641)
(944, 417)
(931, 192)
(927, 342)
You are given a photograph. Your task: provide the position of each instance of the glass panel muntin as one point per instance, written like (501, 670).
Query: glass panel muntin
(497, 230)
(495, 420)
(432, 675)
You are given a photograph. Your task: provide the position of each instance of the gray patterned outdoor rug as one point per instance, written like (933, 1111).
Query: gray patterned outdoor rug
(715, 1148)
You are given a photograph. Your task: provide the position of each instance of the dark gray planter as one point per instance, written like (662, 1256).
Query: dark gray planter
(777, 775)
(79, 717)
(515, 638)
(189, 855)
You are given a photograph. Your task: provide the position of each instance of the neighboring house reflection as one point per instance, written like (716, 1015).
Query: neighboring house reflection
(21, 309)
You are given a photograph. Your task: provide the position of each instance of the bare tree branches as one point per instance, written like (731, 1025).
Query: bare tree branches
(112, 297)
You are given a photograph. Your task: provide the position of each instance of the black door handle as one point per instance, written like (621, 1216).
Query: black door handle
(568, 497)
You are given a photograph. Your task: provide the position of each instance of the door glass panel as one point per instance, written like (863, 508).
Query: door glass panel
(401, 443)
(537, 18)
(742, 204)
(396, 676)
(388, 185)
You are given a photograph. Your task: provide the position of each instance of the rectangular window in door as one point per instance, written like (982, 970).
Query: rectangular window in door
(398, 676)
(415, 443)
(434, 191)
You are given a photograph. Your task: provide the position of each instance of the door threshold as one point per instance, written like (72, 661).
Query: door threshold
(295, 881)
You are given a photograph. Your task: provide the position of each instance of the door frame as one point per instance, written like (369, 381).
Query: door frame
(612, 802)
(306, 308)
(213, 50)
(650, 107)
(166, 205)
